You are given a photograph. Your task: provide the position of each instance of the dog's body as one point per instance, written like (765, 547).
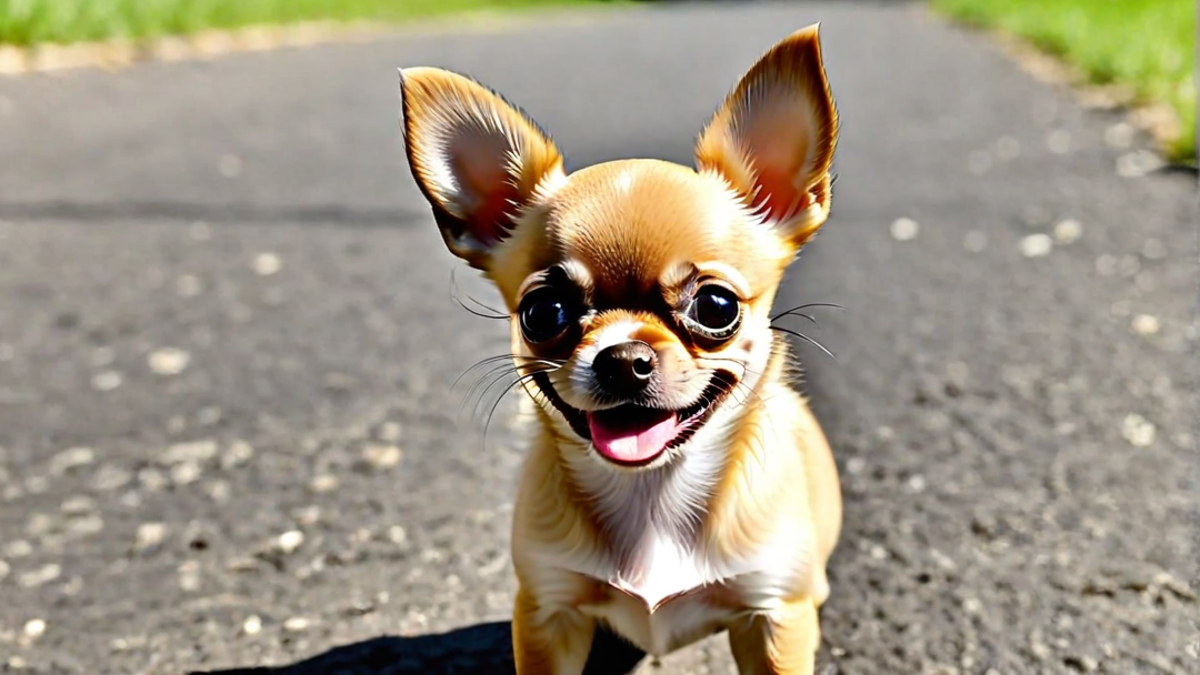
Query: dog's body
(659, 560)
(677, 486)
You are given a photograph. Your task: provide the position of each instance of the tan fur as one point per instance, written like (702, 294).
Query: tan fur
(732, 529)
(783, 642)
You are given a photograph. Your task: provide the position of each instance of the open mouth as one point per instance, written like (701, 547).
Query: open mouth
(635, 435)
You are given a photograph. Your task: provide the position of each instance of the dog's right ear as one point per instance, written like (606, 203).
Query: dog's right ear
(478, 160)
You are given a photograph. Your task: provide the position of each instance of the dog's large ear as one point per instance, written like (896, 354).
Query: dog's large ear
(774, 137)
(477, 159)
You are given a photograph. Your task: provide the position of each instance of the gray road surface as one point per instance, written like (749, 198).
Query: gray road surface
(228, 437)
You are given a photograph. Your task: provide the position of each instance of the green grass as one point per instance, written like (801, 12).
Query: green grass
(27, 22)
(1147, 45)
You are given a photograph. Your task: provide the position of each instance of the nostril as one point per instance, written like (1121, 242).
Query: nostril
(625, 368)
(643, 367)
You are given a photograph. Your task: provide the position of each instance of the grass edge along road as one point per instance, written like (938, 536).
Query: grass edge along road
(1147, 46)
(25, 23)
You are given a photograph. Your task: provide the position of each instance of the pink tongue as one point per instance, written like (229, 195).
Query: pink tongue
(632, 440)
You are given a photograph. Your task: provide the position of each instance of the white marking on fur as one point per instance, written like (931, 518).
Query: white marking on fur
(581, 378)
(612, 334)
(676, 625)
(625, 181)
(552, 182)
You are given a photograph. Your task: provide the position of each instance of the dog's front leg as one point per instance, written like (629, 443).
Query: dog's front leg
(550, 638)
(779, 642)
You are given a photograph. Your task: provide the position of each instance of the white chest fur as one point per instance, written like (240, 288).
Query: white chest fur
(676, 624)
(671, 594)
(660, 601)
(669, 585)
(661, 568)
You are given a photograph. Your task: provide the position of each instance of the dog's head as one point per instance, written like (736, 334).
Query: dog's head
(639, 290)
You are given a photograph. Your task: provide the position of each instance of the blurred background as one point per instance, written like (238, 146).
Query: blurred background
(230, 434)
(1142, 50)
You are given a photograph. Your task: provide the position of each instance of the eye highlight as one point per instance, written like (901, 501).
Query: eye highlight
(714, 313)
(547, 313)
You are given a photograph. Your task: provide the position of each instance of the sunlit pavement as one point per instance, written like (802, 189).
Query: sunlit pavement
(228, 436)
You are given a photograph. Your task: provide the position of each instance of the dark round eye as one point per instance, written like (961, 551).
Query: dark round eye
(546, 314)
(716, 311)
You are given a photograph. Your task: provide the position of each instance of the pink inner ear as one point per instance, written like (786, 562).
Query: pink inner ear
(780, 140)
(778, 194)
(488, 192)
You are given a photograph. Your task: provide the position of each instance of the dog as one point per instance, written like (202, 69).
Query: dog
(677, 485)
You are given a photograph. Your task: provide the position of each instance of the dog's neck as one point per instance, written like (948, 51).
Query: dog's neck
(670, 503)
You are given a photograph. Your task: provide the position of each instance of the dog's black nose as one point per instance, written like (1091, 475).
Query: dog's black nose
(625, 369)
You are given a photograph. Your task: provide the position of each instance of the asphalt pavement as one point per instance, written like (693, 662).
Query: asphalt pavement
(229, 437)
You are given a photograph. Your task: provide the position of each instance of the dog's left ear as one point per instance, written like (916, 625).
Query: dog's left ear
(773, 139)
(478, 160)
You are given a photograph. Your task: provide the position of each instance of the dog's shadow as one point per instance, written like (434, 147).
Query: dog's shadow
(482, 649)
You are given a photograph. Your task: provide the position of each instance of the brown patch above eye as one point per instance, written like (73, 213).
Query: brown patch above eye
(679, 276)
(679, 285)
(571, 275)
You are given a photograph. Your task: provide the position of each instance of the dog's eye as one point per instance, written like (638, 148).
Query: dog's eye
(715, 312)
(546, 314)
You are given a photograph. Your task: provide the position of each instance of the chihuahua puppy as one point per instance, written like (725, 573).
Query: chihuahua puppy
(677, 486)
